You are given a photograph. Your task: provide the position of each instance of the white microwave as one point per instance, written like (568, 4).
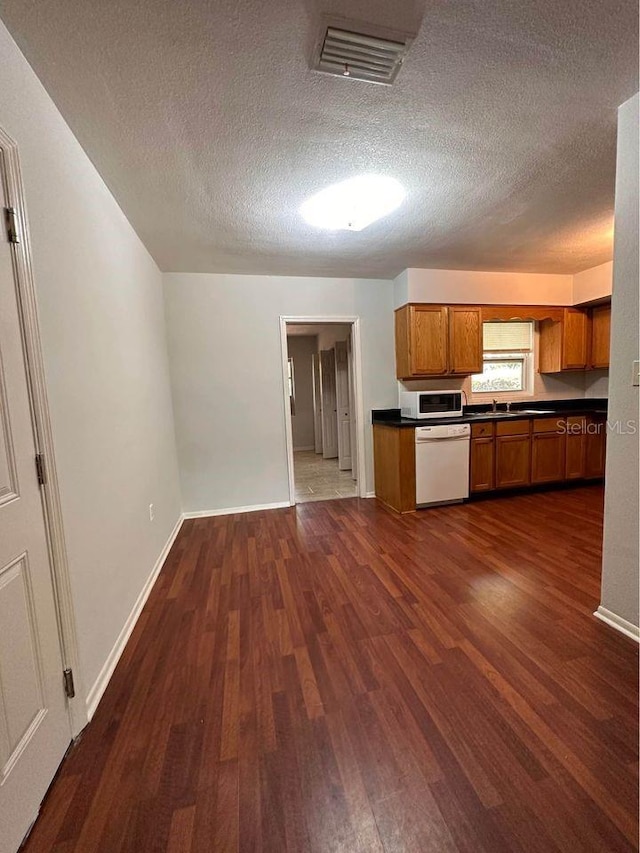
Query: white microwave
(430, 404)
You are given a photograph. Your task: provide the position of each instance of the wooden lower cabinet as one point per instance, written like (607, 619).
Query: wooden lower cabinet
(576, 453)
(548, 450)
(482, 458)
(595, 441)
(513, 454)
(482, 462)
(394, 458)
(513, 461)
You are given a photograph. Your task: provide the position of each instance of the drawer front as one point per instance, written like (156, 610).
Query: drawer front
(554, 424)
(481, 430)
(519, 427)
(577, 424)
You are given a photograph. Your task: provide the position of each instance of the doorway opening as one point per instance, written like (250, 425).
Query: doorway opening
(323, 408)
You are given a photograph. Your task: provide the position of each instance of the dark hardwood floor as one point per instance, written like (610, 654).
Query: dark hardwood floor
(339, 678)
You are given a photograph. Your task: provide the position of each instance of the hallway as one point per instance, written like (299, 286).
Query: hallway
(319, 479)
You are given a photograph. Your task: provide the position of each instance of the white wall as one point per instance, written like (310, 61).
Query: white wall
(488, 288)
(226, 372)
(102, 320)
(594, 283)
(621, 552)
(301, 349)
(508, 288)
(401, 289)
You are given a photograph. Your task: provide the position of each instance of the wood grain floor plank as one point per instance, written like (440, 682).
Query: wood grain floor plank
(335, 677)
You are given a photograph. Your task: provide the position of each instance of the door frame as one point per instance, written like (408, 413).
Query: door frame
(354, 322)
(42, 430)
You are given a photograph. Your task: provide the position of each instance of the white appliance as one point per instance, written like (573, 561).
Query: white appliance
(430, 404)
(442, 464)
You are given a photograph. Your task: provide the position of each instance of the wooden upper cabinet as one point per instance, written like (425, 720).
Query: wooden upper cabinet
(565, 343)
(600, 335)
(428, 345)
(421, 341)
(575, 339)
(465, 340)
(436, 340)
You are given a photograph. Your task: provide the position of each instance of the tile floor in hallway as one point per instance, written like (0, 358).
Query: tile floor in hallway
(319, 479)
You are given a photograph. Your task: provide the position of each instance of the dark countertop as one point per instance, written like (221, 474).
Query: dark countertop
(480, 414)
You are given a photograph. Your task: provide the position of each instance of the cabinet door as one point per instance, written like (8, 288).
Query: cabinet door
(575, 339)
(600, 335)
(595, 447)
(576, 448)
(465, 340)
(428, 340)
(513, 461)
(482, 465)
(548, 451)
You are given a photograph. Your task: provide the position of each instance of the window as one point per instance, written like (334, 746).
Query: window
(507, 358)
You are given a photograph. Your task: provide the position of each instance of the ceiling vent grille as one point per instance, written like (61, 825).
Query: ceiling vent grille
(344, 53)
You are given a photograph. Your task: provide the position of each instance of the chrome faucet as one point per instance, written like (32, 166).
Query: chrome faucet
(494, 406)
(508, 407)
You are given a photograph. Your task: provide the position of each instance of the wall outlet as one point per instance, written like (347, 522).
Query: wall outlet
(151, 512)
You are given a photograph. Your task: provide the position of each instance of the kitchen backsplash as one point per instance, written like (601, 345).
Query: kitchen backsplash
(567, 386)
(597, 383)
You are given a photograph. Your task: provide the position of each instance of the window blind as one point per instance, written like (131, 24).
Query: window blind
(507, 337)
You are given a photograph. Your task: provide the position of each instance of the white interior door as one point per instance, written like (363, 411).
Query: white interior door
(343, 405)
(328, 394)
(34, 724)
(317, 402)
(352, 409)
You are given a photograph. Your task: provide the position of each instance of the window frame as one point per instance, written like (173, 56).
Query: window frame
(526, 356)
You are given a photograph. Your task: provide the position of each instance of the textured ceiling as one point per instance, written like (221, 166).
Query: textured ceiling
(210, 130)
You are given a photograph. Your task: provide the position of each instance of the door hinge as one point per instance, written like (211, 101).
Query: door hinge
(11, 220)
(40, 470)
(69, 688)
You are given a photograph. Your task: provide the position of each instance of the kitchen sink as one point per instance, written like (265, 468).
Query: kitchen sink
(520, 413)
(493, 414)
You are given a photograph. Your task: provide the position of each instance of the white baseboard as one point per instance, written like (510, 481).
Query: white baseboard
(617, 622)
(306, 447)
(95, 693)
(370, 495)
(233, 510)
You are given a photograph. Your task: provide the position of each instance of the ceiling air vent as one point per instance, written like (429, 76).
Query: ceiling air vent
(344, 53)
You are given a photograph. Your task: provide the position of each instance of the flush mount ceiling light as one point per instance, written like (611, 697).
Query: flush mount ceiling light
(353, 204)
